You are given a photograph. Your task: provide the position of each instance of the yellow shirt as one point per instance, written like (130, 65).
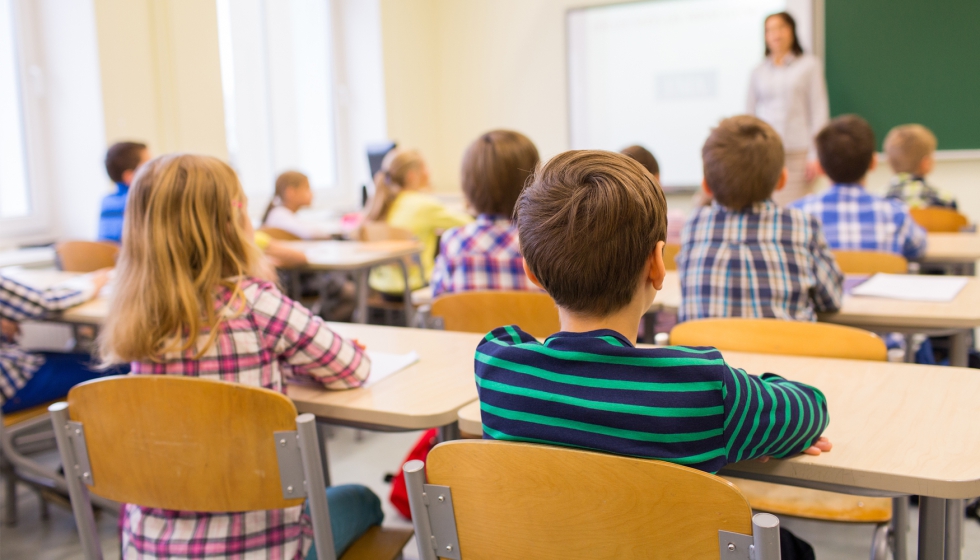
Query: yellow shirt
(426, 217)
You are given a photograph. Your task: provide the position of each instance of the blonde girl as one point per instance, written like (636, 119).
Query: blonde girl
(190, 301)
(401, 200)
(293, 193)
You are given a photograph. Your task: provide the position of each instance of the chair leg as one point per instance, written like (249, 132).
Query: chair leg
(10, 505)
(879, 544)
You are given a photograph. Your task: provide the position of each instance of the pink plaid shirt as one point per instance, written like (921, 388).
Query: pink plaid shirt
(271, 340)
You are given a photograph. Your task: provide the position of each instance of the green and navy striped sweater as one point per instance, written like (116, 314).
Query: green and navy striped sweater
(595, 390)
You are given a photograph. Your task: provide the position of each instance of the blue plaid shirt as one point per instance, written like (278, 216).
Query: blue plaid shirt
(111, 217)
(855, 220)
(17, 303)
(484, 255)
(764, 261)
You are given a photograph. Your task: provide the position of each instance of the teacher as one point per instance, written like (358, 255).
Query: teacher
(788, 91)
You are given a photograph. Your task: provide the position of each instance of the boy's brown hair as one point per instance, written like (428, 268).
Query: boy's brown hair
(743, 159)
(588, 223)
(907, 145)
(122, 157)
(496, 167)
(846, 147)
(642, 155)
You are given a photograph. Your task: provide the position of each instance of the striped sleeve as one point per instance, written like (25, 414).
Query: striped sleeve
(305, 345)
(19, 302)
(770, 416)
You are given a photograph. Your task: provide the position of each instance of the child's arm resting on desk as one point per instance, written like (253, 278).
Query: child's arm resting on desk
(305, 345)
(19, 302)
(769, 416)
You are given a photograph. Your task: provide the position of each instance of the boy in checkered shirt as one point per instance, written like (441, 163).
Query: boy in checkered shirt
(486, 255)
(742, 255)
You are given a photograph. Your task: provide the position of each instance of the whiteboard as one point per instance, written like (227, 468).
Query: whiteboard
(662, 73)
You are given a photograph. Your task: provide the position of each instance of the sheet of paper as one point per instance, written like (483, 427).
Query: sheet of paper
(912, 287)
(383, 364)
(39, 336)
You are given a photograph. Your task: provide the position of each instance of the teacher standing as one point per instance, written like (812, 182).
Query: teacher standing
(788, 91)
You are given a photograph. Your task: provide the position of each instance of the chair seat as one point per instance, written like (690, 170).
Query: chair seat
(813, 504)
(378, 543)
(26, 414)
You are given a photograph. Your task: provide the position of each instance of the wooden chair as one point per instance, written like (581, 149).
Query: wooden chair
(381, 231)
(670, 254)
(483, 311)
(494, 499)
(279, 234)
(86, 256)
(194, 444)
(870, 262)
(939, 220)
(798, 338)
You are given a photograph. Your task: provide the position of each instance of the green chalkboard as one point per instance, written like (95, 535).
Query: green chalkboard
(902, 61)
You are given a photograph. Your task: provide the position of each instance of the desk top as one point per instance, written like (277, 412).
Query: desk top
(35, 256)
(353, 255)
(952, 248)
(897, 428)
(427, 394)
(963, 312)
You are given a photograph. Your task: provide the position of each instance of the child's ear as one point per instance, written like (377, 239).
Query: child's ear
(874, 162)
(706, 189)
(657, 268)
(783, 177)
(927, 165)
(530, 276)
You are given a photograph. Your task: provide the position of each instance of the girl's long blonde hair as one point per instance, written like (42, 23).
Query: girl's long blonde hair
(285, 180)
(389, 181)
(186, 234)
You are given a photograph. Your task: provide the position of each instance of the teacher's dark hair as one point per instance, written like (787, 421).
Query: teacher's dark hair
(788, 19)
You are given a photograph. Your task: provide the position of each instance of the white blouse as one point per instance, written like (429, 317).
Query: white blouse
(285, 219)
(792, 98)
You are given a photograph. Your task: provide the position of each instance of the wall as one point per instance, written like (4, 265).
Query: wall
(456, 68)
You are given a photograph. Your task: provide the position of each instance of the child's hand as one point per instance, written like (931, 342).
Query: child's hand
(358, 344)
(9, 329)
(99, 279)
(822, 445)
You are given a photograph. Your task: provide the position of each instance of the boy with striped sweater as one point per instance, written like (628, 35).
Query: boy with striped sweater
(592, 228)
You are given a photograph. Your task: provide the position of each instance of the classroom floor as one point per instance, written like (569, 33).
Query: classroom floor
(366, 462)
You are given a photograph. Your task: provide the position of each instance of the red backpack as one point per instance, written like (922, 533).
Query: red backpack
(399, 493)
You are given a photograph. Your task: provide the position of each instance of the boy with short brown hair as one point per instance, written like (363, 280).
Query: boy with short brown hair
(592, 230)
(743, 255)
(122, 159)
(910, 149)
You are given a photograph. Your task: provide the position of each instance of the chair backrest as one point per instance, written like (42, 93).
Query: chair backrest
(183, 443)
(86, 256)
(939, 220)
(519, 500)
(381, 231)
(776, 336)
(670, 253)
(279, 234)
(870, 262)
(483, 311)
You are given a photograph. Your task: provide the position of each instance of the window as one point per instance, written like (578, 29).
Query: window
(14, 179)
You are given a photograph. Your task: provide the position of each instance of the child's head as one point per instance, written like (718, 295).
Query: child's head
(495, 169)
(400, 170)
(186, 234)
(590, 223)
(645, 158)
(743, 162)
(292, 191)
(122, 159)
(910, 149)
(846, 148)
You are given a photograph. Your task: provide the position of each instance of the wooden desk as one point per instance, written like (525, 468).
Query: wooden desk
(888, 438)
(358, 257)
(33, 257)
(953, 249)
(425, 395)
(886, 315)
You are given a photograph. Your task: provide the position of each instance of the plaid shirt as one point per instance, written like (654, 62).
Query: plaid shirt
(764, 261)
(854, 219)
(271, 340)
(19, 302)
(484, 255)
(915, 192)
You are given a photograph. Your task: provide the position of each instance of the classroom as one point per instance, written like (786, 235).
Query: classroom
(489, 279)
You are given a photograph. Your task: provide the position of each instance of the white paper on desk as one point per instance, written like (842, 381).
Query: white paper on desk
(912, 287)
(384, 364)
(38, 336)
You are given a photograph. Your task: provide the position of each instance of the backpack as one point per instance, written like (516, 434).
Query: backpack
(399, 492)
